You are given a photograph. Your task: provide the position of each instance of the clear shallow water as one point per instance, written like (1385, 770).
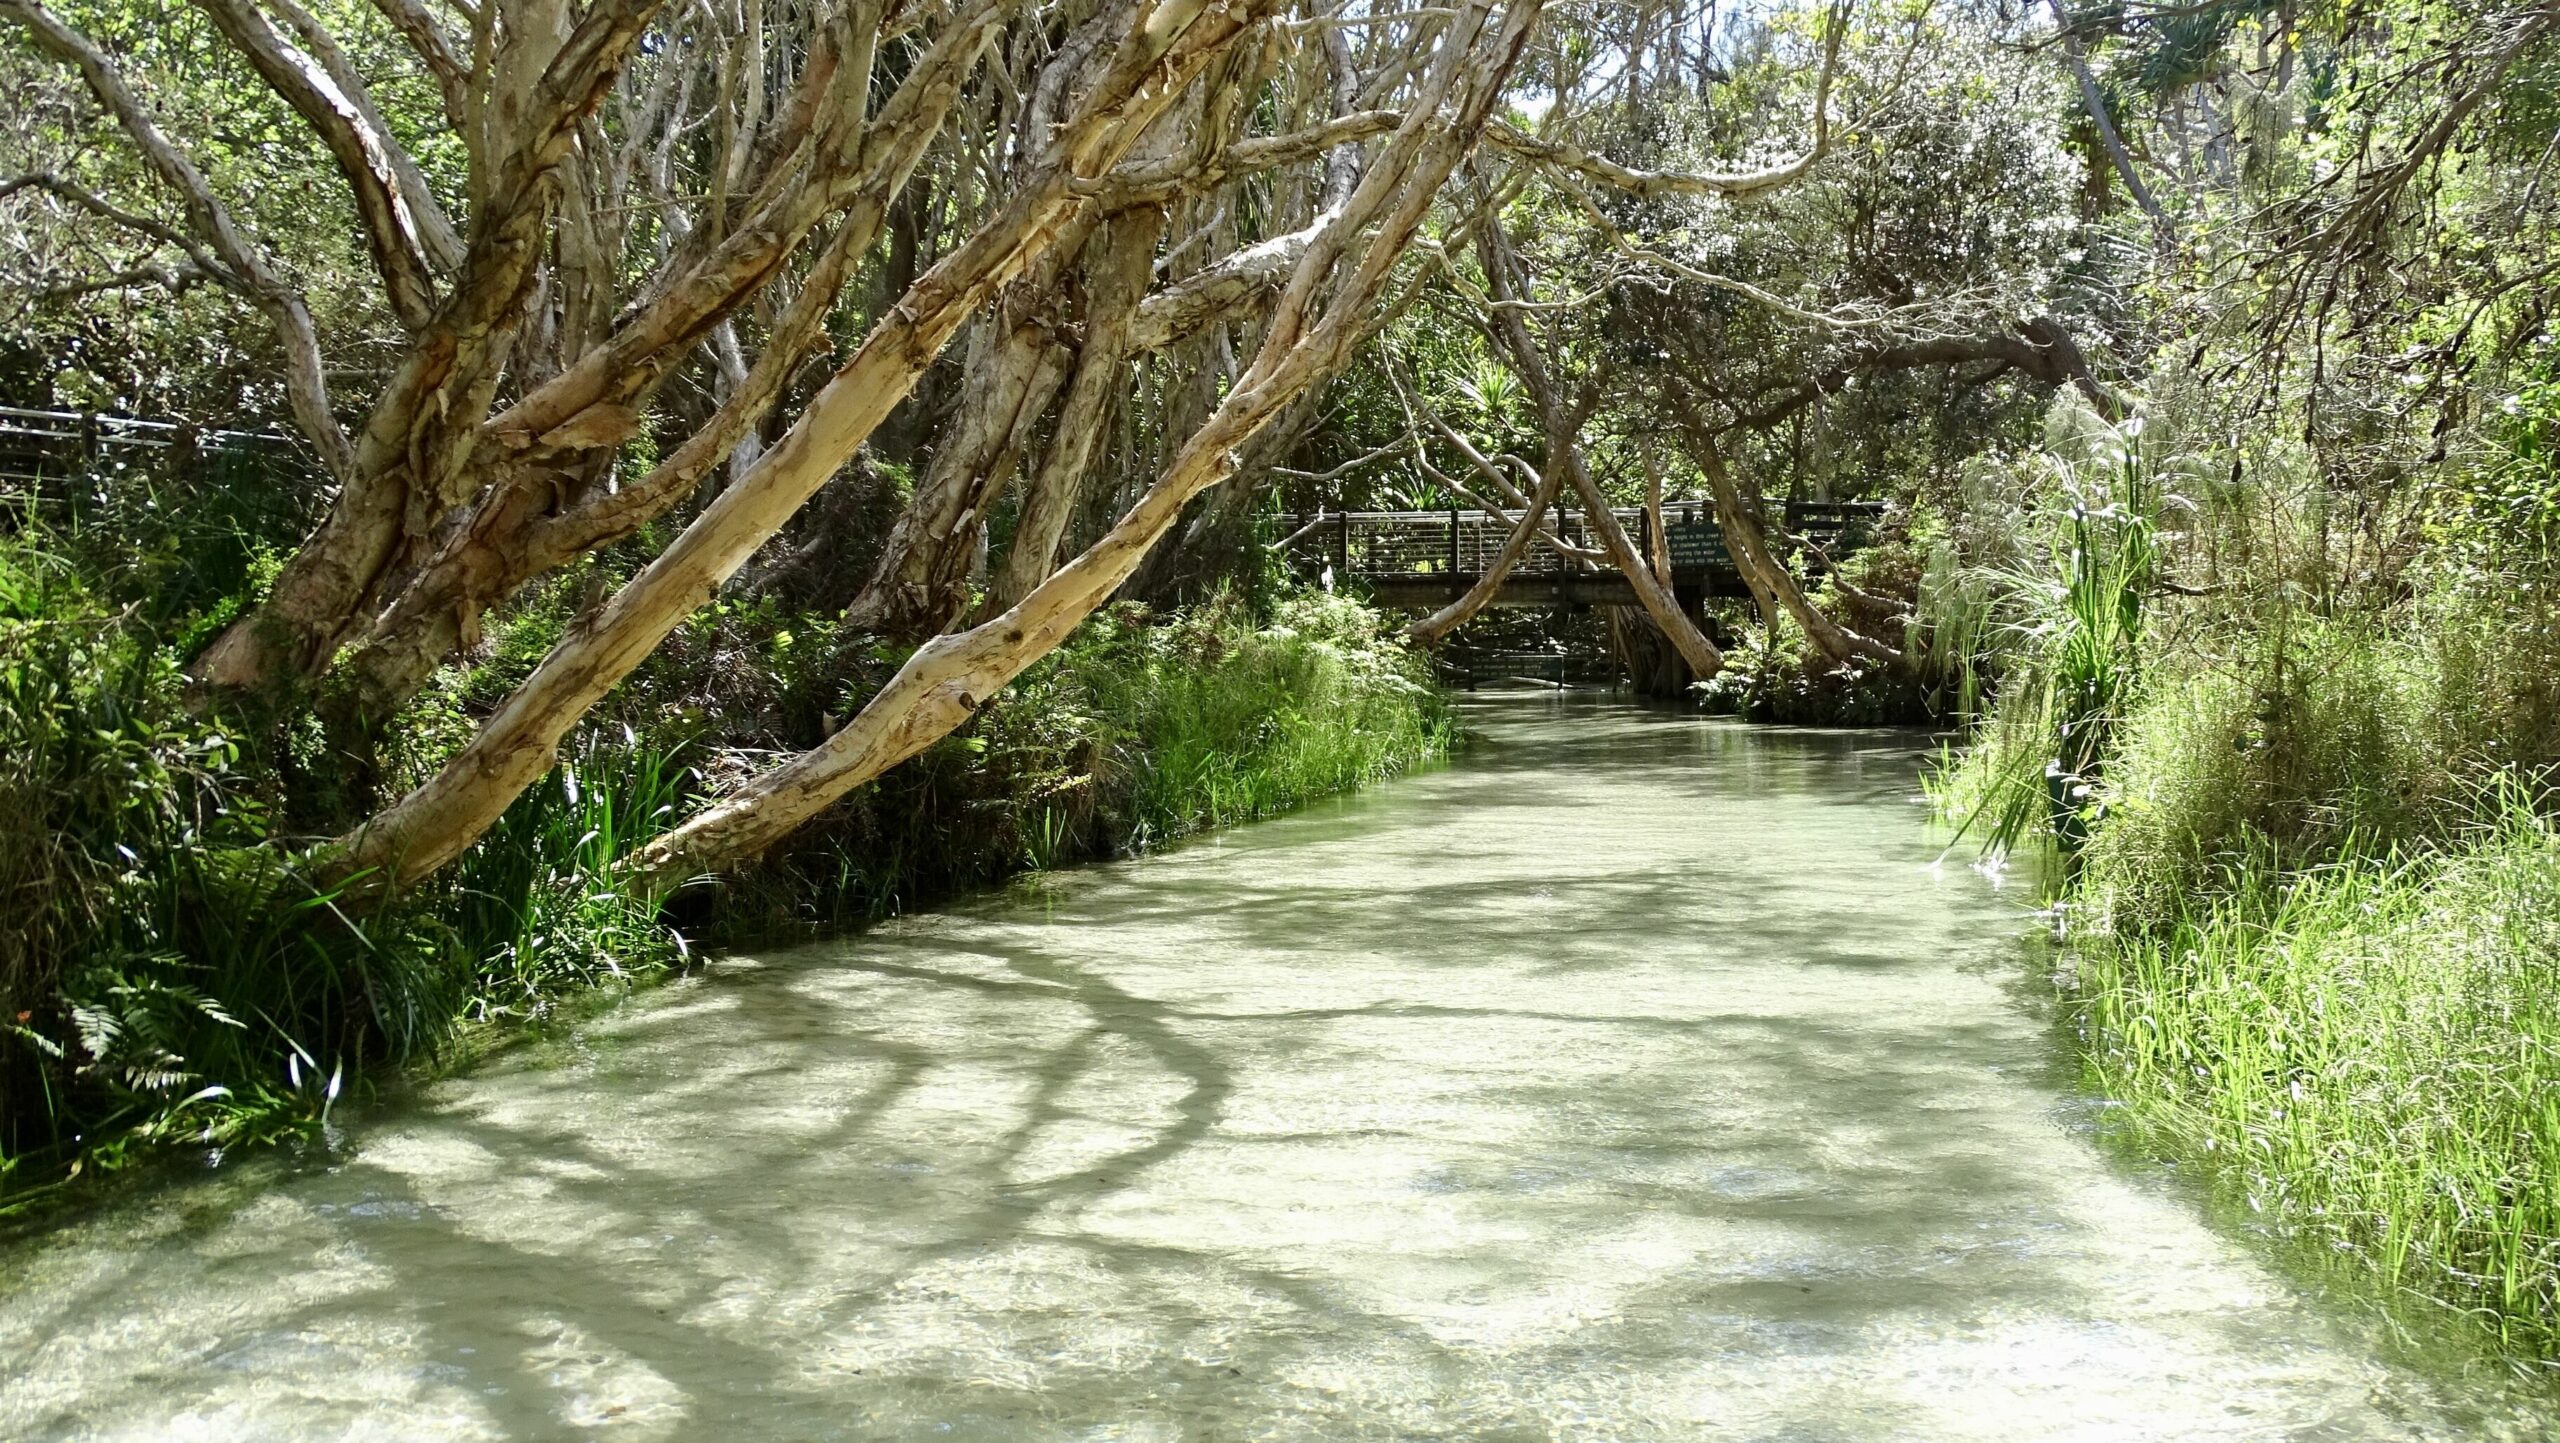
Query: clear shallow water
(1637, 1077)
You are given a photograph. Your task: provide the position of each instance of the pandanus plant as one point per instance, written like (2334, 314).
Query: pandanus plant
(2067, 651)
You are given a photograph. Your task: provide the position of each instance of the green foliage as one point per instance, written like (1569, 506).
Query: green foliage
(2066, 642)
(1229, 722)
(2315, 914)
(2306, 737)
(2365, 1052)
(2504, 514)
(100, 767)
(1777, 676)
(168, 973)
(169, 976)
(537, 906)
(1137, 731)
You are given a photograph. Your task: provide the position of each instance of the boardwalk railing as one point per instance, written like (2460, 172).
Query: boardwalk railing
(37, 444)
(1459, 544)
(56, 463)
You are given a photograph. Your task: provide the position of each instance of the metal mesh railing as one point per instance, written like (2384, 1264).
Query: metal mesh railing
(52, 461)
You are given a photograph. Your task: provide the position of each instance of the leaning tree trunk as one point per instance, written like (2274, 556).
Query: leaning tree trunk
(428, 828)
(1435, 628)
(409, 560)
(1564, 451)
(1118, 263)
(1654, 666)
(1764, 573)
(952, 675)
(1014, 368)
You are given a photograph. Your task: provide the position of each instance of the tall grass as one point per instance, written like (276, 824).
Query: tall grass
(1317, 702)
(2064, 632)
(2369, 1052)
(2314, 905)
(538, 904)
(1138, 731)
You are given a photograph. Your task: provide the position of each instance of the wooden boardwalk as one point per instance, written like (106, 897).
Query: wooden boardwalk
(1428, 558)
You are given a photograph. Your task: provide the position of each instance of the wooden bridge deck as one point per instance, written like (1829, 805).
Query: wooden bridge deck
(1428, 558)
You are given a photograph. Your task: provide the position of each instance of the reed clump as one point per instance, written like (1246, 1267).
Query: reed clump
(2368, 1050)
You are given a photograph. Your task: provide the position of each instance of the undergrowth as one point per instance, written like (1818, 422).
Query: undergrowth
(169, 977)
(2301, 799)
(2367, 1051)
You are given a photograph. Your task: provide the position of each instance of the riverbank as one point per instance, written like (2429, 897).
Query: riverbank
(2308, 865)
(2318, 957)
(174, 983)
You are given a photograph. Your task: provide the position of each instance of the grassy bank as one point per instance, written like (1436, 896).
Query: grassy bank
(2369, 1052)
(169, 979)
(2299, 807)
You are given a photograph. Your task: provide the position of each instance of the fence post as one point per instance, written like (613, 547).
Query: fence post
(1341, 547)
(1453, 541)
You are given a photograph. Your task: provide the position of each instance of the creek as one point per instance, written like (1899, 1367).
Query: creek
(1636, 1076)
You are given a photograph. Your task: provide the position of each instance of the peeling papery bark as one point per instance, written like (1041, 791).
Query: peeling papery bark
(1015, 366)
(514, 534)
(1157, 55)
(381, 570)
(1118, 262)
(951, 676)
(411, 463)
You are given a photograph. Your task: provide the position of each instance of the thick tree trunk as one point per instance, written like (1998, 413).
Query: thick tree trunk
(395, 566)
(422, 832)
(1764, 572)
(1115, 283)
(519, 531)
(413, 461)
(1654, 666)
(1014, 368)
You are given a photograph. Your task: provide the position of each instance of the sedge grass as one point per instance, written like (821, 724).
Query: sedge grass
(196, 989)
(2367, 1052)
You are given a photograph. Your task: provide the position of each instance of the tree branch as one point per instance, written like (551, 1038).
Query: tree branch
(365, 154)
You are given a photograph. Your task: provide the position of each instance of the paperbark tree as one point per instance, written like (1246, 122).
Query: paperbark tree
(1507, 323)
(1154, 54)
(1746, 539)
(1353, 257)
(592, 250)
(525, 522)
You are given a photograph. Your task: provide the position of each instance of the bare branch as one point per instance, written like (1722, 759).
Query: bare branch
(1655, 184)
(364, 153)
(435, 49)
(98, 205)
